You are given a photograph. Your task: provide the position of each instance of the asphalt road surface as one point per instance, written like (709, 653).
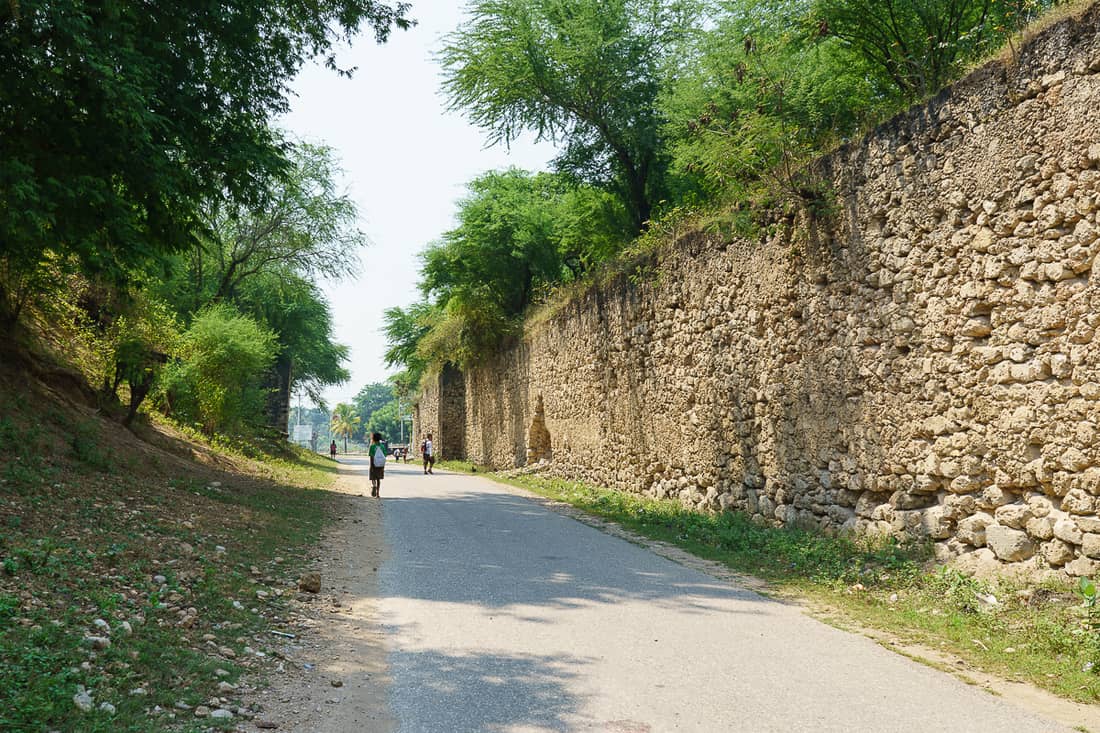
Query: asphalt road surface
(501, 615)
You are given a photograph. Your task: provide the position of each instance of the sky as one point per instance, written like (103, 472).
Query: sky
(406, 162)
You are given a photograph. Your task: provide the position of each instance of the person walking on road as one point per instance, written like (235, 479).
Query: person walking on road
(429, 455)
(377, 454)
(332, 450)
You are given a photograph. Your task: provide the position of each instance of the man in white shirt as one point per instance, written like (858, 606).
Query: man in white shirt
(429, 455)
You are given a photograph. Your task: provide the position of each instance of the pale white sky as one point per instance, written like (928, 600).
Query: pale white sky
(406, 163)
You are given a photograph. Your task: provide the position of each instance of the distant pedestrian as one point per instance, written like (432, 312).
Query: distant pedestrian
(429, 454)
(377, 454)
(332, 450)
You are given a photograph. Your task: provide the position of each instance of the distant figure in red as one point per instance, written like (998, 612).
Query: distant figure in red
(332, 450)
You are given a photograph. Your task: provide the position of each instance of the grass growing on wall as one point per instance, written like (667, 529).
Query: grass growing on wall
(1033, 634)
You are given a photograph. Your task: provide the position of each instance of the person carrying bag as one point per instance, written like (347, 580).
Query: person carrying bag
(377, 453)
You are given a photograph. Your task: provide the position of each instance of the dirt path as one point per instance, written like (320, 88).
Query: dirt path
(334, 677)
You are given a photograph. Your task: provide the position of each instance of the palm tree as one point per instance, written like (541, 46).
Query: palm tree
(345, 422)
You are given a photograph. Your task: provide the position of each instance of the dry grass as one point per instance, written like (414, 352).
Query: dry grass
(1008, 53)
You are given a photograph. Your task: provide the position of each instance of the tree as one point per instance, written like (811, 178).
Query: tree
(918, 46)
(504, 245)
(385, 420)
(345, 422)
(519, 235)
(482, 274)
(370, 399)
(583, 73)
(218, 376)
(265, 258)
(308, 358)
(119, 119)
(404, 330)
(145, 340)
(300, 224)
(763, 94)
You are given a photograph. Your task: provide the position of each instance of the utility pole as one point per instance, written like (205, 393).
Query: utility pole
(400, 418)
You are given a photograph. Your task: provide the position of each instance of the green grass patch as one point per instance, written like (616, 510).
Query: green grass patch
(22, 444)
(86, 447)
(91, 547)
(461, 466)
(1038, 634)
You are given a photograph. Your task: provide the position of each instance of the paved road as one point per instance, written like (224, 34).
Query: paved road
(500, 615)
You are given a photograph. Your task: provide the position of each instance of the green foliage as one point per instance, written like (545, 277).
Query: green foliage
(404, 328)
(265, 259)
(583, 73)
(373, 399)
(297, 312)
(518, 236)
(124, 117)
(345, 423)
(301, 224)
(760, 99)
(378, 408)
(916, 47)
(503, 248)
(218, 378)
(385, 420)
(1090, 628)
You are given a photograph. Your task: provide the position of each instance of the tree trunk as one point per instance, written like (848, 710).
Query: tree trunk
(277, 409)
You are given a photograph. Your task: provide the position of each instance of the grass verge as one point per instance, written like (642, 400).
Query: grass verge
(1037, 634)
(145, 580)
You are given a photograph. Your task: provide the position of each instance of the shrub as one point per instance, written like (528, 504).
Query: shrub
(217, 379)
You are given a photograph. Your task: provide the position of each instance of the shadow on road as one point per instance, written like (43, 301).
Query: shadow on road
(496, 551)
(484, 691)
(471, 569)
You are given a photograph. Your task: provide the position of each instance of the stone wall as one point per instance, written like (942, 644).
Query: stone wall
(922, 361)
(440, 411)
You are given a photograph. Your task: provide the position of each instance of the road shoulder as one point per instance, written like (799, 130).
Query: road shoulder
(333, 675)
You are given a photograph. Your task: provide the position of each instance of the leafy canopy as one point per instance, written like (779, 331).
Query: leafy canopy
(266, 257)
(298, 313)
(118, 119)
(582, 73)
(300, 223)
(518, 235)
(765, 92)
(918, 46)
